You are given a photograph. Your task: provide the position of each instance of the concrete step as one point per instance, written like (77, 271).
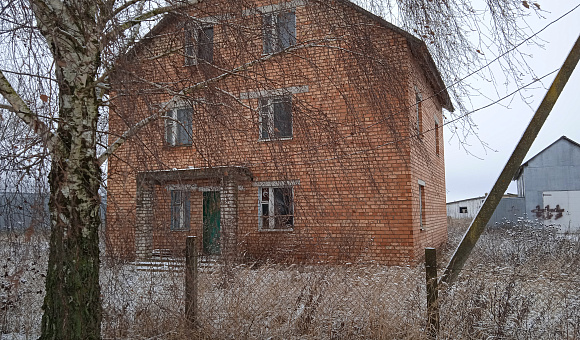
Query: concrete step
(205, 264)
(156, 265)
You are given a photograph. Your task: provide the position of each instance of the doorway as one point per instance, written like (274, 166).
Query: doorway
(211, 222)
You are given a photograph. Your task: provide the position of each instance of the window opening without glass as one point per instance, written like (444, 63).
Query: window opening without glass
(279, 31)
(198, 44)
(179, 127)
(276, 208)
(276, 117)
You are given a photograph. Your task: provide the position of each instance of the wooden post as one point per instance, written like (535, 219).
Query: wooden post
(432, 292)
(191, 278)
(492, 200)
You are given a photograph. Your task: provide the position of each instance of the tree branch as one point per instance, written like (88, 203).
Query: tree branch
(128, 134)
(111, 36)
(19, 107)
(123, 7)
(246, 66)
(7, 107)
(199, 86)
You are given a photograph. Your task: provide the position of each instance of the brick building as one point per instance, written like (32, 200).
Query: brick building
(294, 131)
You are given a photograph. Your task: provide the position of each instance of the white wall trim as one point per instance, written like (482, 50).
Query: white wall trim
(211, 20)
(421, 182)
(182, 187)
(288, 183)
(206, 189)
(277, 92)
(275, 7)
(175, 104)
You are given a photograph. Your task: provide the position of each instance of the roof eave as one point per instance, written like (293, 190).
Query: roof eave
(419, 50)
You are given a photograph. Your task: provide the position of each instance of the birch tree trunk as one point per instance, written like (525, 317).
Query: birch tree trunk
(72, 306)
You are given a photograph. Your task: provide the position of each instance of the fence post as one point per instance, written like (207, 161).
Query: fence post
(191, 277)
(432, 292)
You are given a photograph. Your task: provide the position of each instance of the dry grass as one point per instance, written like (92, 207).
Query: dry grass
(520, 283)
(272, 301)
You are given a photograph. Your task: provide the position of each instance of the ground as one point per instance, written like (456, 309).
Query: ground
(521, 282)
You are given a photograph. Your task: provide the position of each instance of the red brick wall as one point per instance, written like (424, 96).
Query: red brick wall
(352, 148)
(427, 165)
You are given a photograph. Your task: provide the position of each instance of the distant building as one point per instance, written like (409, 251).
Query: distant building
(21, 210)
(24, 210)
(549, 184)
(548, 191)
(468, 208)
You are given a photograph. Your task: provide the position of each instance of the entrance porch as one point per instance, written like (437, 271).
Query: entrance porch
(170, 202)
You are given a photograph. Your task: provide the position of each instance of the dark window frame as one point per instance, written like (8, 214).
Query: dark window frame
(422, 207)
(279, 30)
(437, 140)
(276, 117)
(198, 44)
(180, 207)
(419, 112)
(179, 127)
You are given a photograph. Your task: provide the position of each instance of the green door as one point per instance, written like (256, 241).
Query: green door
(211, 222)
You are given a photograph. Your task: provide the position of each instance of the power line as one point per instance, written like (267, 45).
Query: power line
(411, 136)
(314, 148)
(486, 65)
(510, 50)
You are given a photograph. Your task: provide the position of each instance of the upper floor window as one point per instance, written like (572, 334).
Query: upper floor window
(198, 44)
(279, 30)
(276, 117)
(418, 113)
(437, 151)
(179, 127)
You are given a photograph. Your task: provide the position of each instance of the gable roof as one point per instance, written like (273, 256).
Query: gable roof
(506, 195)
(420, 52)
(521, 168)
(417, 46)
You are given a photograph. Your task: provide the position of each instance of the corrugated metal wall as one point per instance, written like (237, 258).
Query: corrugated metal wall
(509, 209)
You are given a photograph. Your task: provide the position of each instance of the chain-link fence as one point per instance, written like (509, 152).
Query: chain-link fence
(520, 283)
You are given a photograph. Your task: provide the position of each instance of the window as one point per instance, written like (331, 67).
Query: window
(276, 208)
(422, 205)
(437, 138)
(179, 127)
(198, 44)
(180, 210)
(463, 210)
(279, 30)
(276, 117)
(418, 100)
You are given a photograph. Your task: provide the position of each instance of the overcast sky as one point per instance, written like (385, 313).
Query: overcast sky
(501, 126)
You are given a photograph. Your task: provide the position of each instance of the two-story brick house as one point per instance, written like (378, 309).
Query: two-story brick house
(295, 131)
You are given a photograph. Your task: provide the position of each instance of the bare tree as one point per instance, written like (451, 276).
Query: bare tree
(62, 56)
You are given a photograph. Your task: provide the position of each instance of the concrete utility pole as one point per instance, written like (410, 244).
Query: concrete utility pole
(492, 200)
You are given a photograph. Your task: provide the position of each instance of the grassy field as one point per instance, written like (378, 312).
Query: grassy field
(522, 282)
